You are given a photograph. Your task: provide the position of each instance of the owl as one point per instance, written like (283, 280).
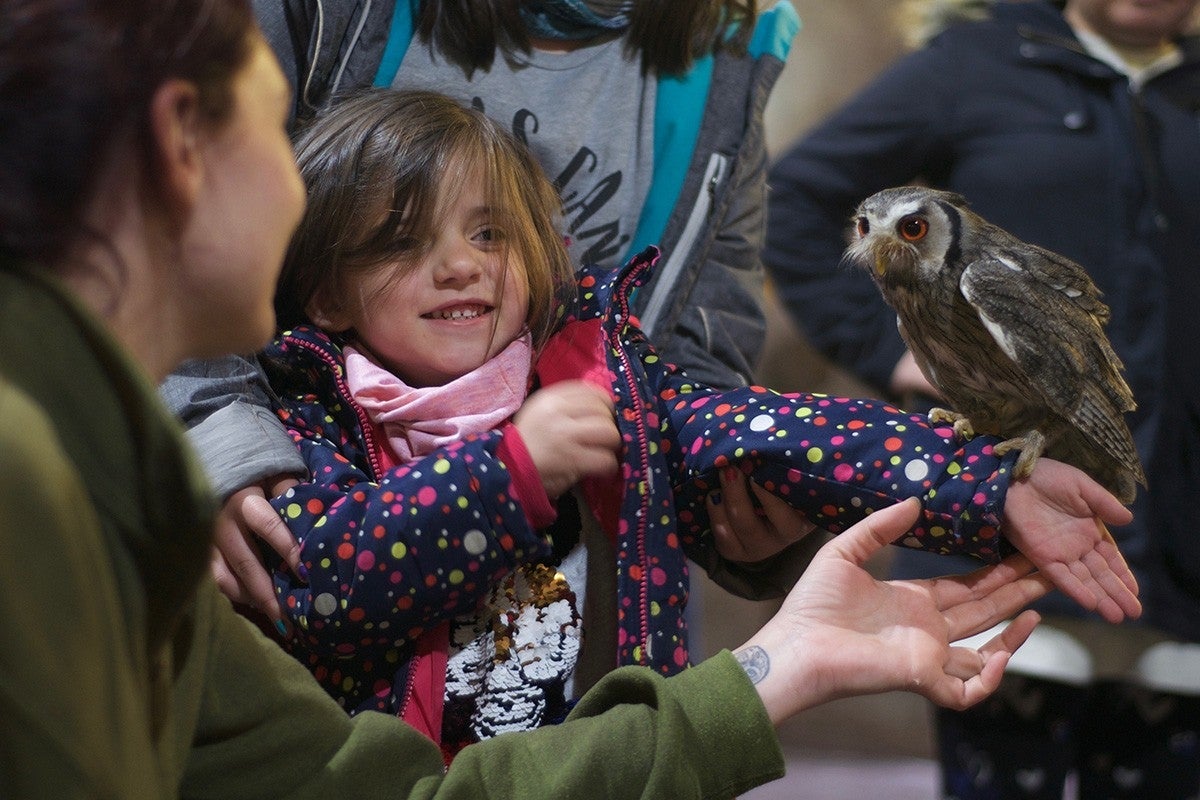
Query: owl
(1011, 334)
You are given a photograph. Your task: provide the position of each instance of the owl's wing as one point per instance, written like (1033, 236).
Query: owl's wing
(1046, 315)
(1060, 273)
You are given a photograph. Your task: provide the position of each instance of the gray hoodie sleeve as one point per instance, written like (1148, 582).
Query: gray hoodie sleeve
(226, 407)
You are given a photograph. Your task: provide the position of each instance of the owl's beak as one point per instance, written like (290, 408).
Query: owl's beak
(880, 264)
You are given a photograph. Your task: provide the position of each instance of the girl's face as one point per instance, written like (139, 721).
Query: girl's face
(435, 320)
(1132, 23)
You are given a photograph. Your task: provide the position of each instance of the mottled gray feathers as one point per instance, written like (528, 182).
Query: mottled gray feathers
(1011, 334)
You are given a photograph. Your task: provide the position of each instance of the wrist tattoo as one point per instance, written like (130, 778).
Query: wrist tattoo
(755, 661)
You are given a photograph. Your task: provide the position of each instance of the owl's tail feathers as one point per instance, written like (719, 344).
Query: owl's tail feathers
(1123, 484)
(1114, 461)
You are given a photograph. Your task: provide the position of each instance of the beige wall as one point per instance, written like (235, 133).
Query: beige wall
(841, 45)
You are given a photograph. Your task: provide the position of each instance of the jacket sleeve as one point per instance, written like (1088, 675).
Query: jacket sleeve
(839, 459)
(226, 406)
(896, 131)
(386, 560)
(267, 731)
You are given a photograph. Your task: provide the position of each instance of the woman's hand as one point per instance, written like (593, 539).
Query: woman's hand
(841, 632)
(236, 563)
(745, 532)
(1057, 517)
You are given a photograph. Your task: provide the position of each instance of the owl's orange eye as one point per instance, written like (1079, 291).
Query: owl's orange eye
(913, 228)
(862, 226)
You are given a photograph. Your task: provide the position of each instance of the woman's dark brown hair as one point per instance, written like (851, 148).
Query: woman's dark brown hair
(77, 77)
(668, 34)
(380, 164)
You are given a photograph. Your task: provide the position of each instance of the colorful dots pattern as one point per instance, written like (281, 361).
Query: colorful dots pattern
(390, 552)
(839, 459)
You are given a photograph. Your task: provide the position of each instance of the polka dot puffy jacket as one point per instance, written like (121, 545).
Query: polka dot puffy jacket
(391, 553)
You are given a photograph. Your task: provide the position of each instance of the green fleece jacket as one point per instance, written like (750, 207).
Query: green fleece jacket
(125, 674)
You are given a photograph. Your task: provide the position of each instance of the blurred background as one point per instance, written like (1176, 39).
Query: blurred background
(880, 746)
(854, 747)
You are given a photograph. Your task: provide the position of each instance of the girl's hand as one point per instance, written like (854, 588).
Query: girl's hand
(236, 563)
(842, 632)
(1057, 518)
(745, 532)
(570, 433)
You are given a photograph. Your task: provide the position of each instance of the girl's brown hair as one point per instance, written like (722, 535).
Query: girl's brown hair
(376, 166)
(668, 34)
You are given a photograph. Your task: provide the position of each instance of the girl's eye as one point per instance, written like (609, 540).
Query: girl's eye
(913, 228)
(489, 235)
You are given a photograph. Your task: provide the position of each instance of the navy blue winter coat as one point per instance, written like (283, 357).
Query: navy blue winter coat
(1059, 149)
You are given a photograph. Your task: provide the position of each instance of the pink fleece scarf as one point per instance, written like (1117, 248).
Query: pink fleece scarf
(418, 421)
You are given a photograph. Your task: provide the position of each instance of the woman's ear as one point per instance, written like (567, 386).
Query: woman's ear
(327, 315)
(175, 125)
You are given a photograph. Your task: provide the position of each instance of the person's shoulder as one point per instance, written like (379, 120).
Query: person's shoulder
(962, 33)
(32, 459)
(24, 426)
(923, 21)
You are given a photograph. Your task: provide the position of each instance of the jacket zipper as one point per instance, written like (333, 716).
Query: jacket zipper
(664, 289)
(643, 458)
(1151, 174)
(363, 421)
(409, 684)
(376, 469)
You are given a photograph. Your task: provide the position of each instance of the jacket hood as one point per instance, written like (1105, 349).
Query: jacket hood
(921, 20)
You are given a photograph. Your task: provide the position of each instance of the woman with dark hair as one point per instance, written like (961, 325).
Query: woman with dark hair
(149, 192)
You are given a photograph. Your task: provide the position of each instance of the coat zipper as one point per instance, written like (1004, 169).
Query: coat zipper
(376, 468)
(643, 458)
(363, 421)
(664, 288)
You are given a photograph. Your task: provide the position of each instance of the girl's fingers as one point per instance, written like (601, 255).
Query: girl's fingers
(975, 615)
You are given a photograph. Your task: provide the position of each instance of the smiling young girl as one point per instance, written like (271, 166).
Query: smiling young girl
(427, 291)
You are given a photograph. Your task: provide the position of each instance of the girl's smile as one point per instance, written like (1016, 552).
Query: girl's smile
(460, 312)
(454, 300)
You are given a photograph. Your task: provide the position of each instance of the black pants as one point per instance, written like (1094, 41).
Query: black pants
(1121, 741)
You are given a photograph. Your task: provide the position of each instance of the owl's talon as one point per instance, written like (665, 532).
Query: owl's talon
(1031, 446)
(938, 414)
(962, 425)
